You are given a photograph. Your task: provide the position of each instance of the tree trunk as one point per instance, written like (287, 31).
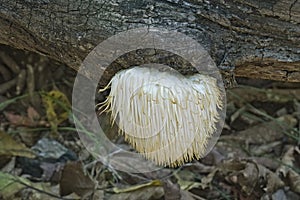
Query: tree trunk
(251, 38)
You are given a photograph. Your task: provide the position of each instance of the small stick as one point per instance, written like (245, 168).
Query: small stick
(7, 85)
(7, 60)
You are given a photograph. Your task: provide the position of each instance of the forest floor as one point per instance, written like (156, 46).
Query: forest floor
(41, 156)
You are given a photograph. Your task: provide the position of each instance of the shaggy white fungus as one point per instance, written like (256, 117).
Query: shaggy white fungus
(166, 117)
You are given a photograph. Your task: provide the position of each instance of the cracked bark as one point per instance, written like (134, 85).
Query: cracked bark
(245, 38)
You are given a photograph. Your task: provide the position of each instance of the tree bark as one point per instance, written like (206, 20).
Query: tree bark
(251, 38)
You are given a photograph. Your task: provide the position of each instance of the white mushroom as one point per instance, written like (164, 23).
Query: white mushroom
(166, 117)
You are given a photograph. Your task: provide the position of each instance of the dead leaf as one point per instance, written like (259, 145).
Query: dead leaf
(4, 160)
(186, 195)
(137, 187)
(32, 114)
(19, 120)
(294, 181)
(185, 179)
(213, 158)
(51, 171)
(31, 120)
(207, 180)
(9, 167)
(188, 185)
(262, 149)
(265, 132)
(146, 193)
(74, 180)
(172, 190)
(286, 169)
(10, 185)
(287, 162)
(57, 108)
(250, 176)
(10, 147)
(267, 162)
(28, 137)
(270, 179)
(32, 194)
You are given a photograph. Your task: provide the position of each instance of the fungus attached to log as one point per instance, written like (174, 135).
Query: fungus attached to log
(165, 116)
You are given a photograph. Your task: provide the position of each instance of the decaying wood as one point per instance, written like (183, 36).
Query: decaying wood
(256, 39)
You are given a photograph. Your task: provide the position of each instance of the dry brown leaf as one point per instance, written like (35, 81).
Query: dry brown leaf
(265, 132)
(267, 162)
(287, 160)
(271, 179)
(10, 147)
(74, 180)
(250, 176)
(147, 193)
(286, 169)
(31, 120)
(172, 190)
(261, 149)
(186, 195)
(11, 187)
(9, 166)
(186, 180)
(207, 180)
(18, 120)
(294, 181)
(32, 114)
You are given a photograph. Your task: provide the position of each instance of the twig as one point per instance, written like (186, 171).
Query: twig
(7, 85)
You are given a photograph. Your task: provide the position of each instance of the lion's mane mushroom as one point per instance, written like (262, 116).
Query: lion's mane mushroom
(166, 117)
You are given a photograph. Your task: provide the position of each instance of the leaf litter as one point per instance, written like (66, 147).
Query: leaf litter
(256, 157)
